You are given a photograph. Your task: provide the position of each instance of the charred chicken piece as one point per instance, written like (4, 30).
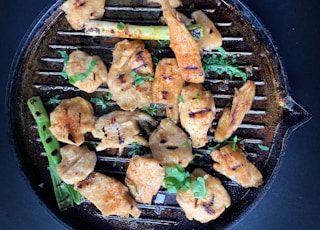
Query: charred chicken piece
(77, 163)
(183, 45)
(79, 62)
(170, 144)
(197, 112)
(234, 165)
(144, 178)
(167, 86)
(232, 117)
(109, 195)
(211, 37)
(209, 207)
(130, 74)
(71, 120)
(121, 128)
(78, 12)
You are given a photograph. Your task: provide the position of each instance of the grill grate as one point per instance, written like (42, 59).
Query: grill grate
(42, 69)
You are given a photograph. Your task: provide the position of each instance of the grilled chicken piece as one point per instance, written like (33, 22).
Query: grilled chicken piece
(79, 63)
(76, 164)
(211, 37)
(234, 165)
(211, 206)
(170, 144)
(71, 120)
(78, 12)
(120, 128)
(109, 195)
(232, 117)
(144, 178)
(130, 57)
(167, 86)
(197, 112)
(183, 45)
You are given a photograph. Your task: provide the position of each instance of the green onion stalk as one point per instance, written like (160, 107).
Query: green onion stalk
(65, 195)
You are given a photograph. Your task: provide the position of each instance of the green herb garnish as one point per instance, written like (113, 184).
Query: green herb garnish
(263, 147)
(181, 100)
(65, 58)
(199, 187)
(152, 110)
(223, 64)
(233, 141)
(121, 26)
(82, 76)
(100, 101)
(133, 189)
(53, 101)
(198, 97)
(177, 178)
(185, 144)
(136, 149)
(138, 79)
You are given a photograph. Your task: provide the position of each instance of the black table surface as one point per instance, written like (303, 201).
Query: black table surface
(293, 199)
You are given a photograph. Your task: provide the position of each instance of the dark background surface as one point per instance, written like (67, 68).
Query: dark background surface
(293, 200)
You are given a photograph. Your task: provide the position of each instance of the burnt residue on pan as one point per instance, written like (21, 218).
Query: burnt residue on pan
(274, 114)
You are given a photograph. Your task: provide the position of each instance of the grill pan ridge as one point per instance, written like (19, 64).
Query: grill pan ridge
(273, 116)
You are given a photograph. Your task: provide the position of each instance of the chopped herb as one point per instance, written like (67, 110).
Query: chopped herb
(155, 59)
(53, 101)
(176, 178)
(121, 26)
(198, 97)
(223, 64)
(152, 110)
(163, 42)
(199, 187)
(218, 146)
(263, 147)
(136, 149)
(133, 189)
(109, 96)
(185, 144)
(100, 101)
(65, 58)
(198, 155)
(181, 100)
(138, 79)
(82, 76)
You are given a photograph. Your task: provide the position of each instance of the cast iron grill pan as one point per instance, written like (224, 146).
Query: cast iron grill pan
(37, 71)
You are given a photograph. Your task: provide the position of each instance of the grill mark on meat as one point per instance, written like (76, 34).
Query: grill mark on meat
(121, 78)
(207, 207)
(200, 112)
(164, 94)
(71, 138)
(172, 147)
(191, 67)
(121, 140)
(235, 167)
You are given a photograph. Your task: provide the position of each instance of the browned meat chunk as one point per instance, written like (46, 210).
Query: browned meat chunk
(121, 128)
(110, 196)
(79, 62)
(234, 165)
(130, 74)
(78, 12)
(144, 178)
(170, 144)
(71, 119)
(76, 164)
(197, 112)
(232, 117)
(167, 86)
(211, 206)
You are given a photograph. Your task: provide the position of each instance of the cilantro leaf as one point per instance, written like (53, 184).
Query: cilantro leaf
(53, 101)
(138, 79)
(181, 100)
(176, 178)
(82, 76)
(135, 150)
(222, 64)
(100, 101)
(121, 26)
(233, 141)
(152, 110)
(199, 187)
